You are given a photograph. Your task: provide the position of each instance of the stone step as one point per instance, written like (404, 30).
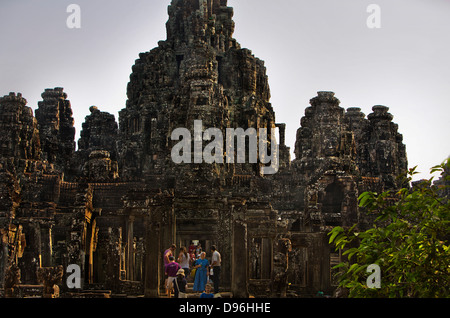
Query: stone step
(220, 295)
(90, 294)
(29, 291)
(193, 294)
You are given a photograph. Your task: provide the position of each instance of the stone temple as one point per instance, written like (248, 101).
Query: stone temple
(113, 204)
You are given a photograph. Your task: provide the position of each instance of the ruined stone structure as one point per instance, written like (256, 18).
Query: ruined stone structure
(117, 202)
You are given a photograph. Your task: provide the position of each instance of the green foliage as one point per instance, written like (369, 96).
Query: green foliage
(409, 241)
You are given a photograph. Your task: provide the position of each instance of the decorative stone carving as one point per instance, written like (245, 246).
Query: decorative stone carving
(50, 277)
(12, 280)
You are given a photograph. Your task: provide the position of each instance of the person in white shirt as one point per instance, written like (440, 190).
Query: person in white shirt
(215, 265)
(183, 260)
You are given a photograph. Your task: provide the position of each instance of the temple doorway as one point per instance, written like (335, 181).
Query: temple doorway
(197, 245)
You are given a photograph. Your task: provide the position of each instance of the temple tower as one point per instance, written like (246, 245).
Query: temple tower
(198, 73)
(387, 153)
(56, 127)
(19, 138)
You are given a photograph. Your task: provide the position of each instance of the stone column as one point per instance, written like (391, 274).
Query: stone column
(113, 248)
(46, 245)
(224, 243)
(3, 256)
(130, 248)
(166, 233)
(239, 276)
(319, 263)
(266, 258)
(281, 264)
(152, 259)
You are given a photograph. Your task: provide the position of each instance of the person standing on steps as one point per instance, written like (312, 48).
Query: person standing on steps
(184, 260)
(216, 261)
(171, 270)
(179, 285)
(198, 251)
(167, 254)
(201, 274)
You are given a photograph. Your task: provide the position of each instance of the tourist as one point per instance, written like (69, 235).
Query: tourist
(171, 271)
(193, 258)
(198, 250)
(180, 284)
(216, 261)
(166, 256)
(192, 248)
(202, 273)
(169, 252)
(207, 292)
(183, 260)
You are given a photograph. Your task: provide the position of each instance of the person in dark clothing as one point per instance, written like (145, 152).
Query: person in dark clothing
(180, 284)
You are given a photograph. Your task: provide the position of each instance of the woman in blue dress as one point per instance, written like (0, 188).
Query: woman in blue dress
(201, 274)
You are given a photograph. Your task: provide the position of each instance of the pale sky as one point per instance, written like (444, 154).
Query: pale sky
(307, 45)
